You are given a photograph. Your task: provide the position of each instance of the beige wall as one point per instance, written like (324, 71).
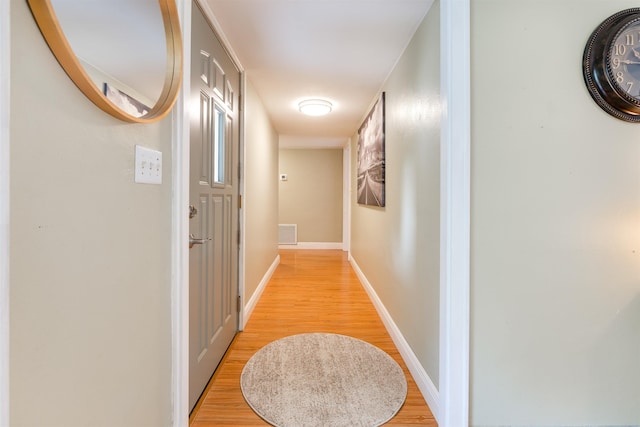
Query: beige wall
(90, 336)
(261, 192)
(555, 225)
(312, 195)
(398, 247)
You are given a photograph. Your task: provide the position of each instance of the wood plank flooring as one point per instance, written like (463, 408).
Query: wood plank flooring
(311, 291)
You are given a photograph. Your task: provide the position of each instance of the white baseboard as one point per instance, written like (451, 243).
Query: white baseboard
(251, 304)
(313, 245)
(425, 384)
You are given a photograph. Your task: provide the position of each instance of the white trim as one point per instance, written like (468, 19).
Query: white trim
(313, 245)
(5, 85)
(251, 304)
(455, 212)
(420, 376)
(180, 233)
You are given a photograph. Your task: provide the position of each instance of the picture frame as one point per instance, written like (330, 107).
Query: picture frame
(371, 157)
(125, 102)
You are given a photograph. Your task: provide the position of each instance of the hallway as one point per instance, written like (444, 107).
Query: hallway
(311, 291)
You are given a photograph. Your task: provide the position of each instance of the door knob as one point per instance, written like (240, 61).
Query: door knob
(192, 211)
(194, 241)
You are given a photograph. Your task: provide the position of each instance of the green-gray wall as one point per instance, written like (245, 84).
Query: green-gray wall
(261, 192)
(398, 247)
(312, 195)
(555, 284)
(90, 337)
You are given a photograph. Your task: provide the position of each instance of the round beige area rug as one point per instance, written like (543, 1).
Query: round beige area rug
(324, 380)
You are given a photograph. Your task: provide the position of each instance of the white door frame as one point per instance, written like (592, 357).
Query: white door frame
(5, 61)
(455, 211)
(179, 234)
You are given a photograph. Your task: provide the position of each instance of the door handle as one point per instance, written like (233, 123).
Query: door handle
(194, 241)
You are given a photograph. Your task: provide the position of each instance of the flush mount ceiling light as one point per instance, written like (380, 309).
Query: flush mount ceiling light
(315, 107)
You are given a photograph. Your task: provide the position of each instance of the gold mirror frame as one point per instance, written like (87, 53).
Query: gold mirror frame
(52, 32)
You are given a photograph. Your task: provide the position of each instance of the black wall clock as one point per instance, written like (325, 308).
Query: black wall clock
(611, 65)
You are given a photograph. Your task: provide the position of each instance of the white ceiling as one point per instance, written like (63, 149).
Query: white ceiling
(339, 50)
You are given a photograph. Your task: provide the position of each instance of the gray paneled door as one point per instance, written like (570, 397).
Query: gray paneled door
(213, 257)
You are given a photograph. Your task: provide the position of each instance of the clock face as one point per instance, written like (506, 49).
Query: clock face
(624, 61)
(611, 65)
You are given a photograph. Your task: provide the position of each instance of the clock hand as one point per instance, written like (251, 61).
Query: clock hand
(626, 61)
(635, 52)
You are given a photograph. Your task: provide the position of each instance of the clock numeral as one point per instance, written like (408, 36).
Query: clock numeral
(620, 49)
(620, 77)
(630, 39)
(616, 63)
(629, 86)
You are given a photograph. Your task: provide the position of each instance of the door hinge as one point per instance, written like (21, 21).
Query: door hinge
(238, 237)
(240, 201)
(239, 307)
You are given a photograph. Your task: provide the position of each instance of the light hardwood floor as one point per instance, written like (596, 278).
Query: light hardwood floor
(310, 291)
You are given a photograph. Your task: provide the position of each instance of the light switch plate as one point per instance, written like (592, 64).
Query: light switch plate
(148, 166)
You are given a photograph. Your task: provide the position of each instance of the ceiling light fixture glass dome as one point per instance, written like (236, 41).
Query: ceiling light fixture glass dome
(315, 107)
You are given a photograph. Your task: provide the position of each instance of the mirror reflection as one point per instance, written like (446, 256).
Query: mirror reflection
(122, 47)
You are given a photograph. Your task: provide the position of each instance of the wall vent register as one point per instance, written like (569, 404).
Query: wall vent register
(288, 234)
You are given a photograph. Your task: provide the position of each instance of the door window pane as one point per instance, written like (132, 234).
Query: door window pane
(219, 147)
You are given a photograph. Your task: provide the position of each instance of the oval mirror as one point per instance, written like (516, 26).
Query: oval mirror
(124, 55)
